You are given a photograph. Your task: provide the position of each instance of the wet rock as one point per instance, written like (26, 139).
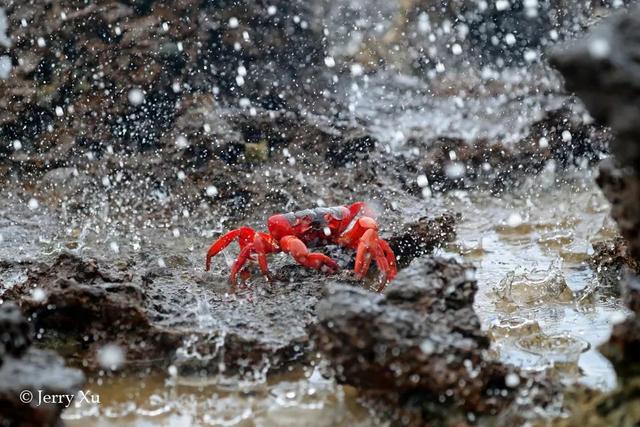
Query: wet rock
(136, 65)
(347, 150)
(590, 408)
(420, 340)
(561, 137)
(15, 332)
(421, 237)
(611, 261)
(623, 348)
(622, 187)
(81, 306)
(26, 371)
(35, 371)
(179, 315)
(601, 69)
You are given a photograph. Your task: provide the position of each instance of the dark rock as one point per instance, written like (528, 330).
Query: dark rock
(602, 69)
(347, 150)
(95, 54)
(502, 166)
(36, 371)
(611, 260)
(83, 306)
(623, 348)
(25, 369)
(421, 340)
(15, 332)
(622, 187)
(418, 238)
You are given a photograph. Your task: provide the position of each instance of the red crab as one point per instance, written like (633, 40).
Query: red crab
(294, 232)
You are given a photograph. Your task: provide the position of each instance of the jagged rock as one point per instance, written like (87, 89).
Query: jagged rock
(136, 65)
(421, 339)
(82, 305)
(602, 69)
(622, 187)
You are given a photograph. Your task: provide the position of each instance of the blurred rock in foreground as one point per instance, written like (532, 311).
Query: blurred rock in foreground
(419, 346)
(26, 371)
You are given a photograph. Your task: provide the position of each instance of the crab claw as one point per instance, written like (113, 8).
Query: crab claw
(300, 253)
(371, 246)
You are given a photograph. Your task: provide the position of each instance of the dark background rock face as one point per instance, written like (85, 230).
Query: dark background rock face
(89, 57)
(604, 70)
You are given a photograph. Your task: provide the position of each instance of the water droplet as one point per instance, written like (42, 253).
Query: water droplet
(38, 294)
(427, 346)
(181, 142)
(136, 96)
(173, 371)
(512, 380)
(514, 220)
(454, 170)
(422, 181)
(111, 356)
(329, 62)
(212, 191)
(599, 48)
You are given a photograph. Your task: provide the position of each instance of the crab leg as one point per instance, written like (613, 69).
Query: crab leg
(368, 246)
(260, 246)
(365, 239)
(263, 246)
(242, 259)
(244, 235)
(300, 253)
